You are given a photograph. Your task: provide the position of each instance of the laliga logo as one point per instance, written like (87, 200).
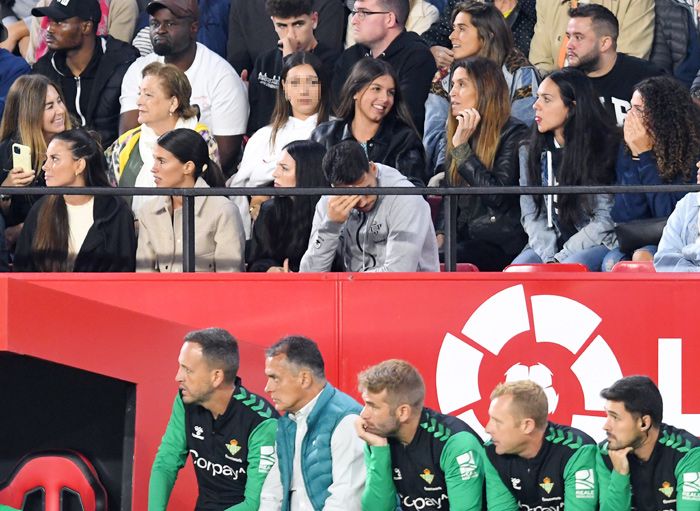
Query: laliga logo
(504, 316)
(564, 331)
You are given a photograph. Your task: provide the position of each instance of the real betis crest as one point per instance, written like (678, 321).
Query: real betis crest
(427, 476)
(666, 489)
(233, 447)
(547, 485)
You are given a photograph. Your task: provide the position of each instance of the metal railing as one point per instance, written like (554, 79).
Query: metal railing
(449, 203)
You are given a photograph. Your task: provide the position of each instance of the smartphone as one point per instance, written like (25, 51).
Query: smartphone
(22, 157)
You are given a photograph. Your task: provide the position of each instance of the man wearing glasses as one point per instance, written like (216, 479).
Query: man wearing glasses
(379, 29)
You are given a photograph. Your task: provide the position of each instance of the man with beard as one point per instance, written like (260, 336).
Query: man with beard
(592, 47)
(415, 456)
(228, 430)
(89, 69)
(645, 464)
(216, 88)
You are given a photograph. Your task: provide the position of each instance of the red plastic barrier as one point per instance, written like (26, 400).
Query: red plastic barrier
(574, 332)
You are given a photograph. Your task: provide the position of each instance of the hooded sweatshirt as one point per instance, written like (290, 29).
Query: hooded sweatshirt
(396, 235)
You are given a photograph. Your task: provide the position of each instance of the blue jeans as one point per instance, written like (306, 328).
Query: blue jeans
(616, 255)
(592, 257)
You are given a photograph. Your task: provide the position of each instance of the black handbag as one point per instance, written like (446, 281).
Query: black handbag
(639, 233)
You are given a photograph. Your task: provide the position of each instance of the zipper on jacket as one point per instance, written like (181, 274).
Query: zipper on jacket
(77, 101)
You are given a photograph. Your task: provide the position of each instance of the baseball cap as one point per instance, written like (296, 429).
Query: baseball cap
(180, 8)
(3, 32)
(59, 10)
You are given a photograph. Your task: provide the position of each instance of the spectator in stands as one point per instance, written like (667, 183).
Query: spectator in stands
(281, 231)
(370, 233)
(294, 22)
(34, 114)
(483, 144)
(641, 450)
(479, 29)
(181, 160)
(320, 461)
(379, 29)
(662, 144)
(405, 444)
(679, 248)
(164, 105)
(372, 112)
(548, 50)
(575, 143)
(676, 49)
(80, 233)
(300, 104)
(216, 420)
(592, 48)
(118, 19)
(252, 34)
(216, 88)
(89, 69)
(11, 68)
(527, 464)
(519, 15)
(421, 15)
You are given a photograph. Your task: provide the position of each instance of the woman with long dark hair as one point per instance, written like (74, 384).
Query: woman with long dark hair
(372, 112)
(662, 144)
(181, 160)
(301, 104)
(574, 144)
(80, 233)
(483, 142)
(281, 231)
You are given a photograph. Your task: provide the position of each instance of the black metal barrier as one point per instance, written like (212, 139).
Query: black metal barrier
(448, 203)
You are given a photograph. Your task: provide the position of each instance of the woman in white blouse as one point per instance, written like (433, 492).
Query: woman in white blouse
(301, 104)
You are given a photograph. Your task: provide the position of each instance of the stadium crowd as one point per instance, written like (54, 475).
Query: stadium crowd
(254, 93)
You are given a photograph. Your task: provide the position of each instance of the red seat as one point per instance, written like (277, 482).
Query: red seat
(461, 267)
(634, 267)
(546, 268)
(54, 476)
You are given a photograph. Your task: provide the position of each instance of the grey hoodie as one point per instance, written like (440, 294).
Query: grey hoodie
(396, 235)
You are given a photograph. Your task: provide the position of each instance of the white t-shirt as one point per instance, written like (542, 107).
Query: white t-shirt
(80, 219)
(216, 88)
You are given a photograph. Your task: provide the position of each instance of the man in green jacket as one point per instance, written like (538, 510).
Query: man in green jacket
(415, 457)
(532, 463)
(645, 464)
(228, 430)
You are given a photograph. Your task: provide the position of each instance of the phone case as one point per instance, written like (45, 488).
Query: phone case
(21, 157)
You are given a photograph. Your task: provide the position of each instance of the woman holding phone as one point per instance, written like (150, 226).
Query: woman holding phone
(34, 113)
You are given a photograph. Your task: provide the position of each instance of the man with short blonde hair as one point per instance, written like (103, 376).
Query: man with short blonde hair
(532, 463)
(416, 458)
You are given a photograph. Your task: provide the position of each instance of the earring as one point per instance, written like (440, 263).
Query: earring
(170, 114)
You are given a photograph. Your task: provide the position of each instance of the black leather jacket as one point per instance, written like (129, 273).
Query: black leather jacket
(395, 144)
(492, 218)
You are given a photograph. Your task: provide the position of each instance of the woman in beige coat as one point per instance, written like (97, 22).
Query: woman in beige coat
(181, 160)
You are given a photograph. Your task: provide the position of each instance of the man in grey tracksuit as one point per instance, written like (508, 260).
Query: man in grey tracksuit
(369, 232)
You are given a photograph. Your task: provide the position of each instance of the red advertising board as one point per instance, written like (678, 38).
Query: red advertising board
(573, 333)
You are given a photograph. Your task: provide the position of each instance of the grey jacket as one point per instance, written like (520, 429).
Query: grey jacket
(598, 230)
(397, 235)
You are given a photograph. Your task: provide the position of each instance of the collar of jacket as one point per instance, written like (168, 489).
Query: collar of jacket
(166, 203)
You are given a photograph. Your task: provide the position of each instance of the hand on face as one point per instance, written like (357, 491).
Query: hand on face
(637, 137)
(619, 460)
(467, 122)
(371, 439)
(340, 206)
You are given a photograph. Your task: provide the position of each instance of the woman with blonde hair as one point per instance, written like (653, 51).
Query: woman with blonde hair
(483, 141)
(164, 105)
(34, 113)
